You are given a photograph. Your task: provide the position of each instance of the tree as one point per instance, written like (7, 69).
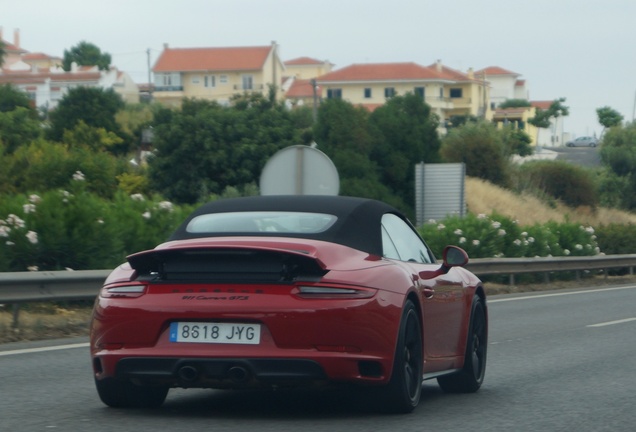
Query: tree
(608, 118)
(18, 128)
(3, 53)
(95, 107)
(203, 148)
(515, 103)
(618, 153)
(405, 134)
(12, 97)
(86, 54)
(516, 141)
(342, 132)
(480, 146)
(543, 118)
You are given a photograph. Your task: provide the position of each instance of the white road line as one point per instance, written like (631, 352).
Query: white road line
(51, 348)
(558, 294)
(612, 322)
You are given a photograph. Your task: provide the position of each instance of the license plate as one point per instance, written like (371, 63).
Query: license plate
(225, 333)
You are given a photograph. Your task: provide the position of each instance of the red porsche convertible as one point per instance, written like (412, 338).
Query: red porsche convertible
(290, 291)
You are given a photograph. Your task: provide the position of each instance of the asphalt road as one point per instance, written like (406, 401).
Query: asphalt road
(588, 157)
(557, 361)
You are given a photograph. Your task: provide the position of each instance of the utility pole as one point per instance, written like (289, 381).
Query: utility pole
(149, 81)
(314, 85)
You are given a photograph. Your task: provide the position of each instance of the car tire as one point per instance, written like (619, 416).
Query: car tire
(124, 394)
(470, 378)
(403, 392)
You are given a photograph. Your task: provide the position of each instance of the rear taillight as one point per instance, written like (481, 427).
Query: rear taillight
(328, 292)
(125, 291)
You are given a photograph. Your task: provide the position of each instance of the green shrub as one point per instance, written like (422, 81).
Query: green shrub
(573, 185)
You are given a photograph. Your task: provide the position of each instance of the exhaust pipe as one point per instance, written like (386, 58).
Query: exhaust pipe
(238, 374)
(188, 373)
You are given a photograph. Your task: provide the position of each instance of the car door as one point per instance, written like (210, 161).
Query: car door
(441, 295)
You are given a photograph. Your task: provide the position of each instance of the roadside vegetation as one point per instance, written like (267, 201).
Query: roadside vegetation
(81, 188)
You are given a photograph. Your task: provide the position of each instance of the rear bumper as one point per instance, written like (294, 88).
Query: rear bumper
(200, 372)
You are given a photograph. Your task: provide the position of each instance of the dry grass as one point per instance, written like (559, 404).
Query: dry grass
(46, 321)
(486, 198)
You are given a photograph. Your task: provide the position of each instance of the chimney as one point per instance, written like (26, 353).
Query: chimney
(438, 65)
(165, 45)
(16, 38)
(470, 73)
(1, 33)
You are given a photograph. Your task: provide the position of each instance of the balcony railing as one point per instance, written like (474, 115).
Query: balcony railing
(169, 88)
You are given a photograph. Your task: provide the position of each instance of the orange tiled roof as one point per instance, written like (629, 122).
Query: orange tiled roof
(450, 73)
(382, 72)
(302, 89)
(212, 59)
(302, 61)
(9, 77)
(39, 56)
(544, 105)
(520, 83)
(495, 70)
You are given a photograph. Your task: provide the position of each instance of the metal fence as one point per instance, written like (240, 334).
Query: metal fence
(22, 287)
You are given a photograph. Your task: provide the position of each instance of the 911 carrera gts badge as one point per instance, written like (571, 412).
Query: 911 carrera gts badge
(204, 297)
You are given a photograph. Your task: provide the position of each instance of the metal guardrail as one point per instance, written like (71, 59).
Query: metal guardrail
(22, 287)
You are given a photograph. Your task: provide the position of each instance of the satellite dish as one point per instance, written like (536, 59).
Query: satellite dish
(299, 170)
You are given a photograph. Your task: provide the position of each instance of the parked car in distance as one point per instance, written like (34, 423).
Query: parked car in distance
(584, 141)
(290, 291)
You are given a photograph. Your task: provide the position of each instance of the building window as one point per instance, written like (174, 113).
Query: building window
(223, 79)
(334, 93)
(248, 82)
(419, 91)
(389, 92)
(441, 92)
(455, 93)
(167, 80)
(367, 93)
(209, 81)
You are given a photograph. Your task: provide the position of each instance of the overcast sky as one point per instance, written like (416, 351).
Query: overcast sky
(583, 50)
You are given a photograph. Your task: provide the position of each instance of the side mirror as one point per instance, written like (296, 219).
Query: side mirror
(454, 256)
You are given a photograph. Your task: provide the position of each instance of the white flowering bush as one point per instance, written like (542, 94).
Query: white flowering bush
(77, 229)
(497, 236)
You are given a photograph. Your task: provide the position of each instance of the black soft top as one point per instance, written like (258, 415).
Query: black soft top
(357, 226)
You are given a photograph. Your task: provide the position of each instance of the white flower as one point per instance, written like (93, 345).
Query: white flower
(496, 225)
(578, 247)
(34, 199)
(566, 251)
(524, 234)
(100, 221)
(441, 227)
(146, 215)
(501, 232)
(137, 197)
(15, 221)
(166, 205)
(589, 230)
(517, 242)
(597, 250)
(530, 239)
(476, 242)
(432, 221)
(32, 236)
(79, 176)
(68, 269)
(28, 208)
(10, 243)
(481, 216)
(458, 232)
(4, 231)
(462, 240)
(32, 268)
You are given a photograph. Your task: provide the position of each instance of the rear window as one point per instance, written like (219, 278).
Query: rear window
(261, 222)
